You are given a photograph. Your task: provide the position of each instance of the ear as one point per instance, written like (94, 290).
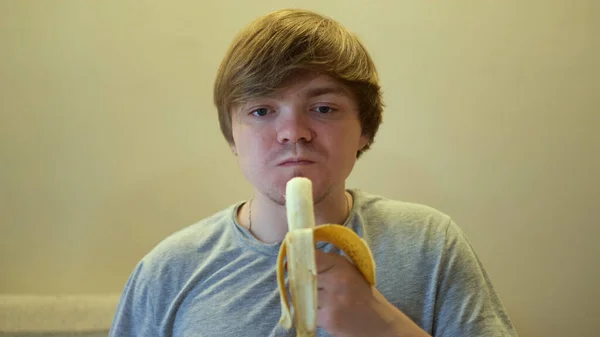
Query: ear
(364, 140)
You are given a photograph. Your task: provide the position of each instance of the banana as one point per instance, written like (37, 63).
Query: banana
(299, 248)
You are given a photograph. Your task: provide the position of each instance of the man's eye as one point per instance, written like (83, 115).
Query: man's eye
(260, 112)
(324, 109)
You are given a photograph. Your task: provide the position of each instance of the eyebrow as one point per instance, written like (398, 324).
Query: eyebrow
(319, 91)
(315, 92)
(335, 90)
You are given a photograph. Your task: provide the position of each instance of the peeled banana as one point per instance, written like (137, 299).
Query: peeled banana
(299, 248)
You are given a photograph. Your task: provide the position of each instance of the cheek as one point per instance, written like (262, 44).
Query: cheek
(252, 146)
(341, 141)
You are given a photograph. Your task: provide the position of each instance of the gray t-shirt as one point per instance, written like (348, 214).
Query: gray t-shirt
(214, 279)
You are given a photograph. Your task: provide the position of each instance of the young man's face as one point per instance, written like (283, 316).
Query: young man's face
(309, 128)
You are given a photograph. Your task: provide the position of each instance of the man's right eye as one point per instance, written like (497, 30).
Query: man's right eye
(260, 112)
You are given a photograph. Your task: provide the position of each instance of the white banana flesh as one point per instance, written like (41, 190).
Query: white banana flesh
(302, 269)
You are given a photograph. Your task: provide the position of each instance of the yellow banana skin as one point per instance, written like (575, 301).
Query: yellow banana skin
(344, 238)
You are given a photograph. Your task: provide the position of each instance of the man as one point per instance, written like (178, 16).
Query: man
(298, 95)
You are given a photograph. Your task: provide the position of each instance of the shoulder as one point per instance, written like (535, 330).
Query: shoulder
(163, 272)
(177, 256)
(382, 214)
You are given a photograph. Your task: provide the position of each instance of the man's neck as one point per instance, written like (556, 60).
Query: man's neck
(267, 220)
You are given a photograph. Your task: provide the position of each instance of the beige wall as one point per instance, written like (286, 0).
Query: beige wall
(109, 140)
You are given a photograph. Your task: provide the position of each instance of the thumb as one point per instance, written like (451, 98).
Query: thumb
(326, 261)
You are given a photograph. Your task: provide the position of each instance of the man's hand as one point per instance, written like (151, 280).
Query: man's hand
(350, 307)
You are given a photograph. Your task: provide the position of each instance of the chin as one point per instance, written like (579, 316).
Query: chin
(320, 187)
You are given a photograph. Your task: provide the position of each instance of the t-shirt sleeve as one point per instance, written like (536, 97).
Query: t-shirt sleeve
(466, 304)
(135, 315)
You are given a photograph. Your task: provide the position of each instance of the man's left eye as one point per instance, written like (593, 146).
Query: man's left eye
(324, 109)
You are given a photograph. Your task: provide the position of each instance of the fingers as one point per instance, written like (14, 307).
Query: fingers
(329, 267)
(326, 291)
(326, 263)
(321, 294)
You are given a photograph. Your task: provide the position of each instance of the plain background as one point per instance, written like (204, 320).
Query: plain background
(109, 140)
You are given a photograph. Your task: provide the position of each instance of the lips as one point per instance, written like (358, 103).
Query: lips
(296, 162)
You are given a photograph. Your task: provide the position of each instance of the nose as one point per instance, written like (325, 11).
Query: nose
(294, 128)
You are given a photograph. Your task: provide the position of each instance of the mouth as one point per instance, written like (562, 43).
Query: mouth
(295, 162)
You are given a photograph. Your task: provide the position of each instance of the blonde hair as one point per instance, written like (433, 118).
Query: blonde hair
(290, 41)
